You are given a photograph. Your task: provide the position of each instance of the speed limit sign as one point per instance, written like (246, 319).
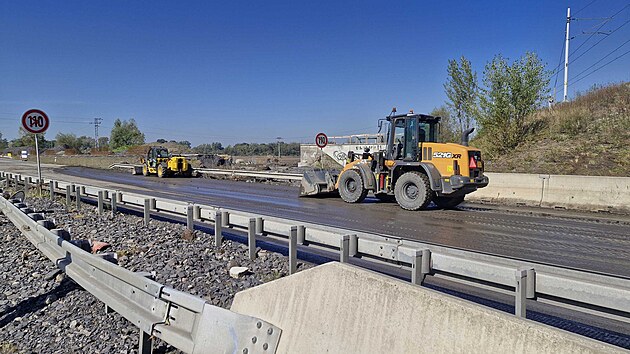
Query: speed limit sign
(35, 121)
(321, 140)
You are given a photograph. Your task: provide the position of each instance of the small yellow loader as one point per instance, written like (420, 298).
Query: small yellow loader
(160, 162)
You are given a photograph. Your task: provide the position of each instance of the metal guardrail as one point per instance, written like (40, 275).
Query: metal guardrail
(224, 172)
(605, 295)
(183, 320)
(257, 174)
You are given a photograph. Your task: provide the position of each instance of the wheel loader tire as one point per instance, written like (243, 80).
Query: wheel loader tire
(413, 191)
(384, 197)
(145, 170)
(448, 202)
(162, 171)
(351, 187)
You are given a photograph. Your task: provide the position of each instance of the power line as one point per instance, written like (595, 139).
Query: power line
(557, 68)
(585, 6)
(600, 60)
(596, 43)
(559, 63)
(610, 62)
(597, 30)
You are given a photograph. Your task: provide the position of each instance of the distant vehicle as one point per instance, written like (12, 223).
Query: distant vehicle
(24, 155)
(159, 161)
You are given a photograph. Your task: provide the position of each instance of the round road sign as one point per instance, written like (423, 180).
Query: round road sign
(321, 140)
(35, 121)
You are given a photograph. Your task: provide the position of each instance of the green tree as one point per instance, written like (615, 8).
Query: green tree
(185, 143)
(103, 142)
(212, 148)
(82, 144)
(3, 142)
(27, 139)
(462, 91)
(125, 133)
(66, 141)
(511, 93)
(449, 128)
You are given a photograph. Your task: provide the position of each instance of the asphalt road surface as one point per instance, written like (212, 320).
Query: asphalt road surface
(588, 241)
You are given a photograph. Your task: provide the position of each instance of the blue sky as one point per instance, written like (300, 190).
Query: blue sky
(234, 71)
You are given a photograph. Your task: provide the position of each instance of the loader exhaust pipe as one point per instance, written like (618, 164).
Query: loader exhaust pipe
(465, 135)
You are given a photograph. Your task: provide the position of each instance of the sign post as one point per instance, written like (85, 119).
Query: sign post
(321, 140)
(36, 121)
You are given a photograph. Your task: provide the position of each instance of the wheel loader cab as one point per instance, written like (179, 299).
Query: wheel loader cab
(407, 133)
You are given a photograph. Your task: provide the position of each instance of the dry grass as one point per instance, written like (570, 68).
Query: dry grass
(587, 136)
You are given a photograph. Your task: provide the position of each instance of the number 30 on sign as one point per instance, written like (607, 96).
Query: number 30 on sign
(35, 121)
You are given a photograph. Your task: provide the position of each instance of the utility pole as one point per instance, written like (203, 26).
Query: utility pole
(566, 57)
(279, 138)
(97, 122)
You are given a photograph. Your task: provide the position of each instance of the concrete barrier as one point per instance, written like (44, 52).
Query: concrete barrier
(596, 193)
(338, 308)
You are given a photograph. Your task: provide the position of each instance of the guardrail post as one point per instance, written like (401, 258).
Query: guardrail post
(51, 187)
(520, 309)
(251, 238)
(301, 235)
(114, 202)
(218, 225)
(353, 248)
(225, 219)
(100, 202)
(260, 225)
(426, 263)
(420, 266)
(344, 249)
(68, 193)
(145, 344)
(190, 224)
(531, 284)
(147, 211)
(293, 239)
(78, 197)
(27, 184)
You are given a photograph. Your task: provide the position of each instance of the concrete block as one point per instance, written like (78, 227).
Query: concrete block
(572, 192)
(339, 308)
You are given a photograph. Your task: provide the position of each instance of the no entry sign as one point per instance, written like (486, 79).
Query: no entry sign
(321, 140)
(35, 121)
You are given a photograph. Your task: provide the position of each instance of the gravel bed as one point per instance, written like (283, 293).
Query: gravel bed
(43, 312)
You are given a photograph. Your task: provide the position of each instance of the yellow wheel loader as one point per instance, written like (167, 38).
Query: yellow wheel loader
(414, 169)
(161, 163)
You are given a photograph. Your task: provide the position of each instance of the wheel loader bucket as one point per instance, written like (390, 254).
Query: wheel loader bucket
(318, 183)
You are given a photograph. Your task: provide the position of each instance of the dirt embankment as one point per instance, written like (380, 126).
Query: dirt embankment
(587, 136)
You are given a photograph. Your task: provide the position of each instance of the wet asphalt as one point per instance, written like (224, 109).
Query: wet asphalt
(588, 241)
